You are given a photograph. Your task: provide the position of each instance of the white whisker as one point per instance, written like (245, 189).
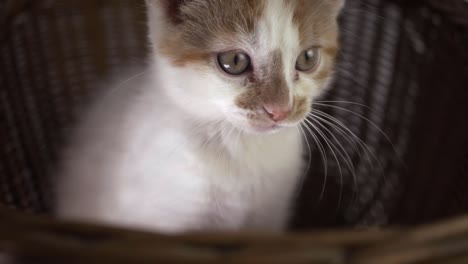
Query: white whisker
(330, 146)
(364, 118)
(323, 156)
(346, 102)
(343, 153)
(121, 84)
(303, 177)
(366, 148)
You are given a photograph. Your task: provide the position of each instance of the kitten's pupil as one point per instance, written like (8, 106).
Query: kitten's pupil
(309, 54)
(234, 62)
(308, 60)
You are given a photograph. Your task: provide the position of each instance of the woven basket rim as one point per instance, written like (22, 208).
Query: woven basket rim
(22, 234)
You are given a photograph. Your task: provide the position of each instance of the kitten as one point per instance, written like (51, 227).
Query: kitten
(209, 139)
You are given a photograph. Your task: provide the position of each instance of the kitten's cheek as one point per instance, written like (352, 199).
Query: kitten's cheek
(309, 89)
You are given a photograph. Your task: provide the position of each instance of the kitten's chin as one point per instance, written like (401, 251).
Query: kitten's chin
(262, 129)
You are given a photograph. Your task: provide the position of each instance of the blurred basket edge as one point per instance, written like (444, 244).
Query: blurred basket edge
(31, 238)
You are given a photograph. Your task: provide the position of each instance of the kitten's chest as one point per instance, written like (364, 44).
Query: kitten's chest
(211, 186)
(257, 179)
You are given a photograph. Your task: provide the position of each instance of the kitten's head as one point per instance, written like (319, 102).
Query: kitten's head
(257, 64)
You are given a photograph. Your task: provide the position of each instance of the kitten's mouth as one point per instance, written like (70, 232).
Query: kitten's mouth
(270, 127)
(263, 125)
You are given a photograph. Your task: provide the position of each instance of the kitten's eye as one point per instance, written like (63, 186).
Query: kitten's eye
(234, 62)
(308, 59)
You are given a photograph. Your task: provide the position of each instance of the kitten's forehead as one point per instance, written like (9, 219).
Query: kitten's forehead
(217, 19)
(214, 25)
(277, 44)
(275, 28)
(208, 23)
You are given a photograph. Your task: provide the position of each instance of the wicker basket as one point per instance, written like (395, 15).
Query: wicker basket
(403, 65)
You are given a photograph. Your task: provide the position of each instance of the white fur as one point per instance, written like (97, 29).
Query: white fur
(172, 153)
(277, 32)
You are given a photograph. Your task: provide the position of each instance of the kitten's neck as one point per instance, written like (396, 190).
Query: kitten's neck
(225, 138)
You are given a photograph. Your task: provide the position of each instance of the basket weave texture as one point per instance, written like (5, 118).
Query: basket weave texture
(30, 239)
(403, 65)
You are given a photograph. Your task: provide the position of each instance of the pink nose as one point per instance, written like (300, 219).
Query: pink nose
(277, 113)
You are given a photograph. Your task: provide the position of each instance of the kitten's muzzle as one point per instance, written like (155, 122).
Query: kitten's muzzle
(277, 113)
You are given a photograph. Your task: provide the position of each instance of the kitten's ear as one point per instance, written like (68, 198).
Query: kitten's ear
(337, 5)
(169, 9)
(163, 15)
